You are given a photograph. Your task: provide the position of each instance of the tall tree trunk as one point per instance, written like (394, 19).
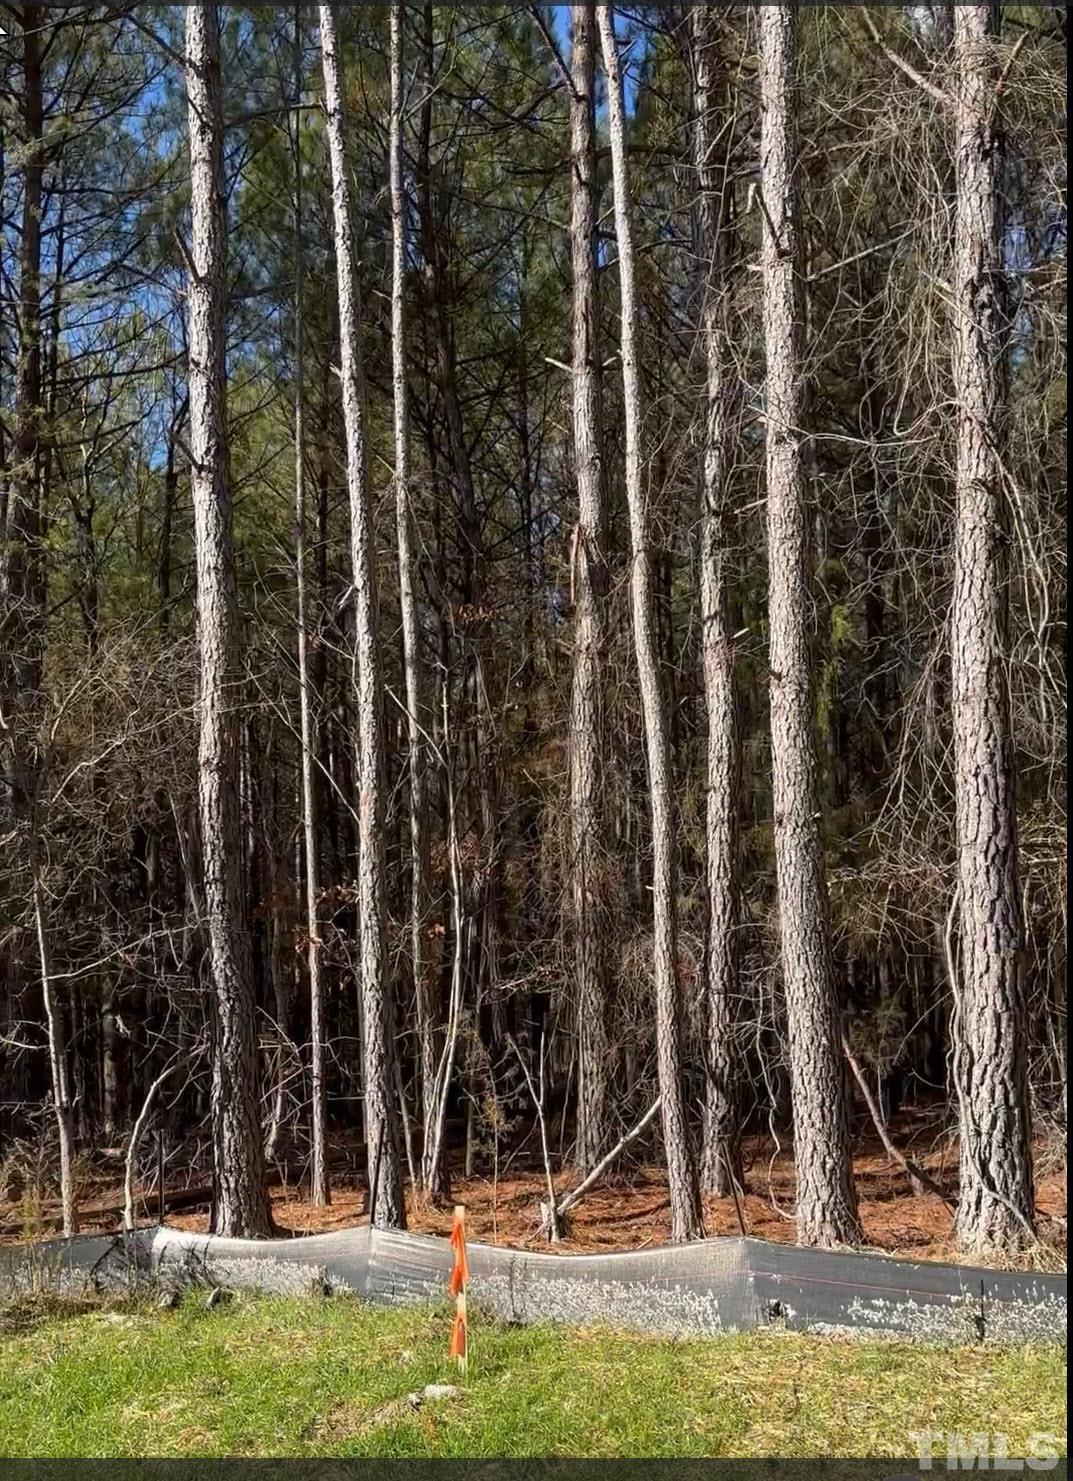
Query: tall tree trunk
(167, 516)
(110, 1062)
(57, 1048)
(22, 589)
(240, 1204)
(440, 296)
(320, 1191)
(826, 1197)
(21, 574)
(460, 623)
(590, 577)
(264, 812)
(385, 1175)
(721, 1161)
(995, 1205)
(681, 1170)
(416, 715)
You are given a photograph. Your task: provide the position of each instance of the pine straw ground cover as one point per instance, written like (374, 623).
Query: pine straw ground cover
(262, 1377)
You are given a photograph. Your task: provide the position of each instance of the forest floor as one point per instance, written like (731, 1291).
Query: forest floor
(275, 1377)
(626, 1211)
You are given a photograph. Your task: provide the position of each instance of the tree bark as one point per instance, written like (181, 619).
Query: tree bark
(264, 809)
(22, 590)
(686, 1220)
(590, 577)
(416, 716)
(459, 620)
(319, 1187)
(167, 517)
(995, 1205)
(240, 1206)
(826, 1197)
(110, 1079)
(57, 1049)
(721, 1161)
(386, 1207)
(21, 577)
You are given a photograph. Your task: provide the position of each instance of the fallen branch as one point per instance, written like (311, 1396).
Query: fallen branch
(903, 66)
(102, 1213)
(919, 1180)
(135, 1137)
(548, 1209)
(575, 1195)
(734, 1186)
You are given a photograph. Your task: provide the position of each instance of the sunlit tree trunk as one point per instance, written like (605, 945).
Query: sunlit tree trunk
(590, 578)
(459, 643)
(320, 1189)
(240, 1205)
(23, 593)
(995, 1205)
(21, 570)
(416, 717)
(22, 598)
(681, 1170)
(384, 1170)
(826, 1197)
(57, 1050)
(721, 1160)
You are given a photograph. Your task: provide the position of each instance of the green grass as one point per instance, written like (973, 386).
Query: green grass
(263, 1377)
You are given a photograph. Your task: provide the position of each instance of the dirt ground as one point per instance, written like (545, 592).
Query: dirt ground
(627, 1212)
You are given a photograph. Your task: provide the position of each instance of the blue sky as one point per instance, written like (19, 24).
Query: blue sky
(560, 24)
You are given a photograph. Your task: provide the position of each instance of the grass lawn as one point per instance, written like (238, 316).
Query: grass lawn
(265, 1377)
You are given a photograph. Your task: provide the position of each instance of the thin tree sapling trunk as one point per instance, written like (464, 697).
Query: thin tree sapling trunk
(686, 1220)
(319, 1186)
(721, 1159)
(416, 718)
(386, 1207)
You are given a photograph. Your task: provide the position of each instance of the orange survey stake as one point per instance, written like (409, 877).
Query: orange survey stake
(459, 1344)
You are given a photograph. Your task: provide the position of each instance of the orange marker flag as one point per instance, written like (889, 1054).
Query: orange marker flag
(460, 1269)
(459, 1344)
